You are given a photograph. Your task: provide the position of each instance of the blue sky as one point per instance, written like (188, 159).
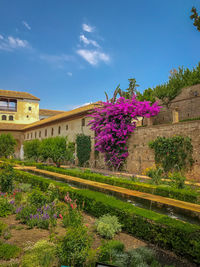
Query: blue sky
(68, 52)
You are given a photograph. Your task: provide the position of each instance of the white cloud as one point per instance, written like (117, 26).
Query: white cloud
(87, 28)
(26, 25)
(10, 43)
(16, 42)
(87, 41)
(93, 56)
(69, 73)
(57, 61)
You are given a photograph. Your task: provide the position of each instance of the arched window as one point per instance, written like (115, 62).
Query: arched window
(67, 127)
(35, 134)
(59, 130)
(39, 133)
(51, 131)
(10, 118)
(45, 132)
(4, 118)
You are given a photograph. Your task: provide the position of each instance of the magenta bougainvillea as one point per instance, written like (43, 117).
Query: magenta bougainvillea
(114, 122)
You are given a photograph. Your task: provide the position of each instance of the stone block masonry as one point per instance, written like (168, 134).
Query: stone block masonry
(142, 157)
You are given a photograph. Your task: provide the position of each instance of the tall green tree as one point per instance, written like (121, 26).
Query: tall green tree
(83, 143)
(31, 149)
(56, 149)
(7, 145)
(196, 18)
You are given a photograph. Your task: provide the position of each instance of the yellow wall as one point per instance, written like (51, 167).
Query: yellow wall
(23, 114)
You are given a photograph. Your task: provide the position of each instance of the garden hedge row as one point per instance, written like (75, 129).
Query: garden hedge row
(180, 237)
(161, 190)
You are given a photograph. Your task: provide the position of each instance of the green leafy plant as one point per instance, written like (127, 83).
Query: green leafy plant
(107, 226)
(155, 174)
(6, 208)
(37, 198)
(74, 248)
(83, 143)
(107, 249)
(6, 178)
(177, 180)
(8, 251)
(41, 254)
(31, 149)
(173, 153)
(7, 145)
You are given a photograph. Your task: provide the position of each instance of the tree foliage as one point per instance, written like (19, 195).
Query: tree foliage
(196, 18)
(83, 143)
(178, 79)
(32, 149)
(56, 149)
(7, 145)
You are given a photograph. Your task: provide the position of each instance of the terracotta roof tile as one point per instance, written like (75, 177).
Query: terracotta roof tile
(11, 126)
(15, 94)
(49, 112)
(62, 116)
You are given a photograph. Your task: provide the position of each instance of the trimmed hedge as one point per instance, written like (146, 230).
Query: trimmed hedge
(180, 237)
(161, 190)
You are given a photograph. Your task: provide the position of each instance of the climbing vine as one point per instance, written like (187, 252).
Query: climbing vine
(113, 122)
(174, 153)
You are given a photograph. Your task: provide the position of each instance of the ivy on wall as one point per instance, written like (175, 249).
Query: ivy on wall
(83, 149)
(174, 153)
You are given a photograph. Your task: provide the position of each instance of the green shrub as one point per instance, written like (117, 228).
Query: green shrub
(55, 148)
(107, 248)
(107, 226)
(31, 149)
(83, 143)
(6, 207)
(42, 254)
(74, 248)
(8, 251)
(6, 178)
(24, 187)
(177, 180)
(73, 218)
(7, 145)
(37, 198)
(155, 174)
(181, 237)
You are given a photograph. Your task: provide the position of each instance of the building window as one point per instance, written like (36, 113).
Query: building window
(51, 131)
(4, 118)
(31, 135)
(10, 118)
(67, 127)
(59, 130)
(27, 116)
(39, 133)
(83, 122)
(30, 108)
(8, 104)
(45, 132)
(35, 134)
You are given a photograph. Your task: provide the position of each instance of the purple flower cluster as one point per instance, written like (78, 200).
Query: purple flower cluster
(114, 122)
